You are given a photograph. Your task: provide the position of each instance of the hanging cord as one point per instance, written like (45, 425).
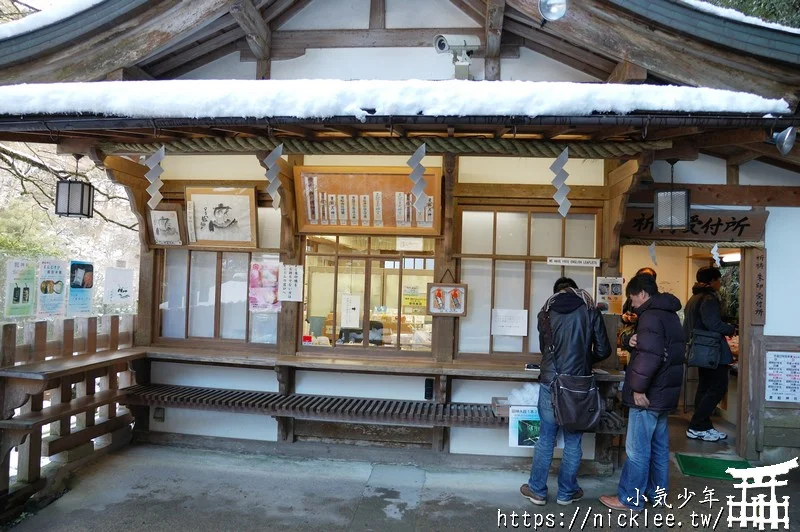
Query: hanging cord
(445, 274)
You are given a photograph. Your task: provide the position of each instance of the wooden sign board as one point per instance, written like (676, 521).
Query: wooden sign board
(366, 201)
(704, 225)
(758, 281)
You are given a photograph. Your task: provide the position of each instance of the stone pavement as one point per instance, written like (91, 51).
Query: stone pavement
(155, 488)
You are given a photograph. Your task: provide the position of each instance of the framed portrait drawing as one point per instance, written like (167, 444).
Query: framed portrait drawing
(167, 226)
(447, 299)
(222, 216)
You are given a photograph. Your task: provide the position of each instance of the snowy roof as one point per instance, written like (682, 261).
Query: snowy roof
(732, 14)
(50, 14)
(329, 98)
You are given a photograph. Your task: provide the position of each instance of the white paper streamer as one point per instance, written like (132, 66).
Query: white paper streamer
(560, 182)
(153, 175)
(270, 162)
(652, 249)
(417, 171)
(715, 254)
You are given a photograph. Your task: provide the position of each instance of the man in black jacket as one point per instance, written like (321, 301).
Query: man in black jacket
(572, 337)
(703, 311)
(652, 386)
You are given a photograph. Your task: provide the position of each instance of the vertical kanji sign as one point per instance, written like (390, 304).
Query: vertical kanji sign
(758, 278)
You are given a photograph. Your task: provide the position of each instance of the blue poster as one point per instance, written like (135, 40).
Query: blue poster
(52, 288)
(81, 281)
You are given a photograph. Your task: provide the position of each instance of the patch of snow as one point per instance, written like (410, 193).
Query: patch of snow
(360, 98)
(732, 14)
(50, 13)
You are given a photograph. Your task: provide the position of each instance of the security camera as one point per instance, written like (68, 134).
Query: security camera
(456, 44)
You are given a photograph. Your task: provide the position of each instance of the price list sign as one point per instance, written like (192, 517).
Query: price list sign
(783, 377)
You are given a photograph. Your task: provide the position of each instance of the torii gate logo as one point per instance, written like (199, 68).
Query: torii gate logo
(760, 511)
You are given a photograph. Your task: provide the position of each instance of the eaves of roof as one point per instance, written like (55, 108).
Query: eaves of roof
(760, 41)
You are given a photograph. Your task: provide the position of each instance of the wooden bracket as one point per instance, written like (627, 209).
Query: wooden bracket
(17, 392)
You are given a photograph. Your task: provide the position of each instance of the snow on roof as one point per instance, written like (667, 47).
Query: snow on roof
(726, 12)
(50, 14)
(327, 98)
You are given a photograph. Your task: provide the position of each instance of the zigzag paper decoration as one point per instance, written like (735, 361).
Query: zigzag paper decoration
(272, 175)
(153, 175)
(417, 171)
(560, 182)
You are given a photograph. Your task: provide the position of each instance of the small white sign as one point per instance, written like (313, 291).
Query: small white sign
(783, 377)
(571, 261)
(190, 221)
(509, 322)
(351, 311)
(118, 286)
(290, 283)
(408, 243)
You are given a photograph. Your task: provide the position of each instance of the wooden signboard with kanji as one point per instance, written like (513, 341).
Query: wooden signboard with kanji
(704, 225)
(758, 279)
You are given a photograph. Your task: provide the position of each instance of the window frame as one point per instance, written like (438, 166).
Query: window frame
(528, 260)
(366, 349)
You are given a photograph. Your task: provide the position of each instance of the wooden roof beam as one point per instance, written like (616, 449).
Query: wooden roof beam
(616, 34)
(627, 72)
(742, 157)
(129, 73)
(673, 132)
(474, 9)
(257, 33)
(770, 150)
(377, 14)
(288, 14)
(495, 10)
(730, 138)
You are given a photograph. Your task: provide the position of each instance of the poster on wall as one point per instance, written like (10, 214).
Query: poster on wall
(509, 322)
(52, 288)
(609, 295)
(81, 282)
(351, 311)
(118, 288)
(523, 426)
(447, 299)
(20, 285)
(782, 383)
(264, 285)
(290, 283)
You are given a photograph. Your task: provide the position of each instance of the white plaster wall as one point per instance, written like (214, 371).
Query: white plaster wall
(425, 14)
(360, 385)
(257, 380)
(327, 15)
(430, 161)
(758, 173)
(213, 168)
(705, 170)
(217, 424)
(493, 442)
(672, 268)
(783, 284)
(533, 66)
(527, 170)
(228, 67)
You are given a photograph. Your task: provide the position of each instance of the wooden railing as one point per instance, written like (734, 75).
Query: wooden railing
(80, 379)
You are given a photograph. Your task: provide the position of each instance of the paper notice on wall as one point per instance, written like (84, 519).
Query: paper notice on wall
(52, 288)
(20, 289)
(573, 261)
(404, 243)
(377, 208)
(425, 217)
(364, 209)
(400, 209)
(263, 284)
(323, 207)
(351, 311)
(118, 288)
(509, 322)
(783, 383)
(354, 209)
(190, 221)
(332, 209)
(81, 284)
(312, 202)
(609, 295)
(342, 213)
(290, 283)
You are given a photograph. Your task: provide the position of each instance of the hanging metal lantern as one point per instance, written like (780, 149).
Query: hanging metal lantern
(74, 198)
(672, 207)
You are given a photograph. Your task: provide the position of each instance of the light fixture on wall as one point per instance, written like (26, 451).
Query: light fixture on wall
(75, 198)
(730, 258)
(552, 9)
(784, 140)
(671, 206)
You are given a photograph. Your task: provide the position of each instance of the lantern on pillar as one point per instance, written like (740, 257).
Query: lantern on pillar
(74, 198)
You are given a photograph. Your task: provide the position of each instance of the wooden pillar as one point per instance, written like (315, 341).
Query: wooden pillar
(111, 379)
(444, 328)
(441, 395)
(752, 368)
(8, 349)
(285, 376)
(87, 385)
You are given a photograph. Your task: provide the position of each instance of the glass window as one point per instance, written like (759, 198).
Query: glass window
(173, 304)
(509, 293)
(543, 278)
(477, 231)
(473, 329)
(512, 233)
(233, 296)
(580, 238)
(546, 234)
(319, 273)
(415, 326)
(350, 302)
(202, 293)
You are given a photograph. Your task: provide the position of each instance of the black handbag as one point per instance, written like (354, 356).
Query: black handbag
(577, 403)
(704, 349)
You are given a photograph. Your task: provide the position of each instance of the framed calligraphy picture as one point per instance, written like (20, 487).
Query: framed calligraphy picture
(223, 216)
(166, 226)
(447, 299)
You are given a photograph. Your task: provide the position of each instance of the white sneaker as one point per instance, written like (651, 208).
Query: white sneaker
(705, 435)
(721, 435)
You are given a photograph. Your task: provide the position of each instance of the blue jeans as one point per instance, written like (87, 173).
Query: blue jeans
(647, 467)
(543, 453)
